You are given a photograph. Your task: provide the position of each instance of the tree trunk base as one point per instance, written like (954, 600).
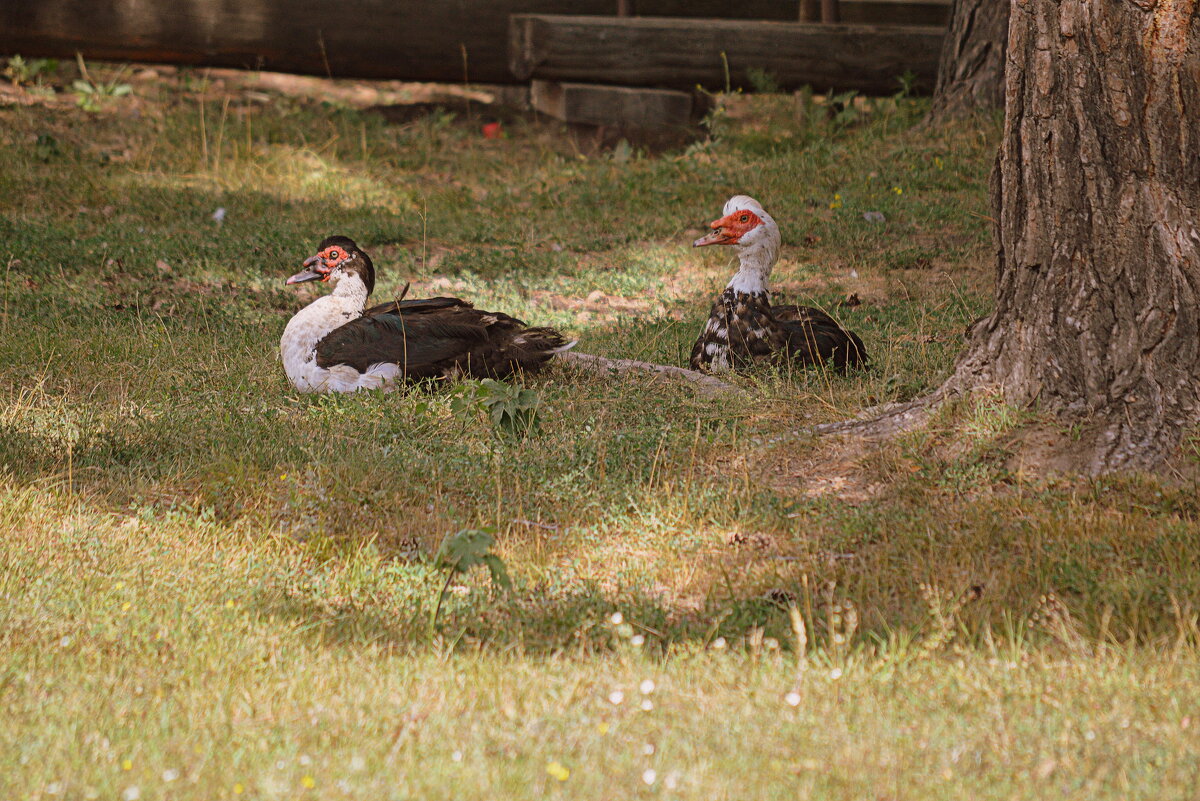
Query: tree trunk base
(1091, 445)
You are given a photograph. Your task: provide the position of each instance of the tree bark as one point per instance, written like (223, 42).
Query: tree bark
(1097, 199)
(970, 74)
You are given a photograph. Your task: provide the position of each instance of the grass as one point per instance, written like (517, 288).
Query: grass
(215, 588)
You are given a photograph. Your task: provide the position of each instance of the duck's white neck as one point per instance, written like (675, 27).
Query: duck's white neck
(351, 290)
(754, 275)
(310, 325)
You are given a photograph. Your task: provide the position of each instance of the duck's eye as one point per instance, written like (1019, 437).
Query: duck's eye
(333, 254)
(744, 218)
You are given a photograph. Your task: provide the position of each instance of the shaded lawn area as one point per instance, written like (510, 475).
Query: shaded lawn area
(213, 587)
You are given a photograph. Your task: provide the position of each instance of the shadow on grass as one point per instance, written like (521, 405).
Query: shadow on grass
(537, 620)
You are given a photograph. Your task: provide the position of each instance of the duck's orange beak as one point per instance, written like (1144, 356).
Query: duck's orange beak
(717, 236)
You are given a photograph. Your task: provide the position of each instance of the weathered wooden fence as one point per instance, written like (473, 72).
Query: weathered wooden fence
(430, 40)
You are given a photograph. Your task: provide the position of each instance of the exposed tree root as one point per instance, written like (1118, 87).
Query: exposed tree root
(603, 365)
(887, 420)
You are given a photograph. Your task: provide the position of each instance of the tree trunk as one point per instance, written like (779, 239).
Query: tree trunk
(971, 71)
(1097, 199)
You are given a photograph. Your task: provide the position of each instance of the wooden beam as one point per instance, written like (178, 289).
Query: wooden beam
(829, 11)
(593, 104)
(402, 39)
(683, 53)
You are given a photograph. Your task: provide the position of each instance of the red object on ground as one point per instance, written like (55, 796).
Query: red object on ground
(491, 130)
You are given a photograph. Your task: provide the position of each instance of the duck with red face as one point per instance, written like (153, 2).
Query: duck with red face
(743, 326)
(335, 344)
(730, 229)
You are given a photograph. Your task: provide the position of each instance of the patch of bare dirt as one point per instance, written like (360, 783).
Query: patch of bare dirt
(832, 469)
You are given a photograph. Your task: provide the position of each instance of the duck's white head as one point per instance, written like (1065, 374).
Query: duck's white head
(337, 258)
(754, 236)
(745, 225)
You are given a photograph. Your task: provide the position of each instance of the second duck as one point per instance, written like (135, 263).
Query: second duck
(743, 327)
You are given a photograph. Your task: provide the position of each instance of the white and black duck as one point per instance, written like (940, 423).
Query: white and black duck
(335, 344)
(743, 326)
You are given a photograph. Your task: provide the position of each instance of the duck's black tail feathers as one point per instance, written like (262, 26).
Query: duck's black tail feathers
(530, 348)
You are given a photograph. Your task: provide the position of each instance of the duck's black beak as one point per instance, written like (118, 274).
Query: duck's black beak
(314, 270)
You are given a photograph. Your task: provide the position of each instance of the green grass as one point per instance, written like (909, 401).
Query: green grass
(212, 587)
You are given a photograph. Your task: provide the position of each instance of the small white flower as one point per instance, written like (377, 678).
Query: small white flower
(170, 775)
(54, 788)
(1089, 735)
(637, 640)
(672, 780)
(648, 749)
(456, 756)
(219, 215)
(64, 642)
(647, 686)
(357, 763)
(305, 759)
(718, 643)
(835, 674)
(649, 776)
(616, 697)
(616, 619)
(792, 698)
(647, 705)
(132, 793)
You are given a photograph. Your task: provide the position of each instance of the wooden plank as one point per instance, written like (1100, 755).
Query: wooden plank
(882, 12)
(593, 104)
(894, 12)
(683, 53)
(434, 40)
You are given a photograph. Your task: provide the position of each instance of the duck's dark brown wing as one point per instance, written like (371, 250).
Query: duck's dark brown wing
(420, 306)
(438, 337)
(816, 338)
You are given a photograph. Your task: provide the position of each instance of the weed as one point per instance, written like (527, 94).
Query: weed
(512, 409)
(33, 71)
(95, 95)
(762, 81)
(461, 551)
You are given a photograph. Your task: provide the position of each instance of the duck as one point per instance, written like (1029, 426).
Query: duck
(744, 327)
(337, 344)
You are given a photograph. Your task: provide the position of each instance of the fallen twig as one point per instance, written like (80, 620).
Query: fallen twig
(602, 364)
